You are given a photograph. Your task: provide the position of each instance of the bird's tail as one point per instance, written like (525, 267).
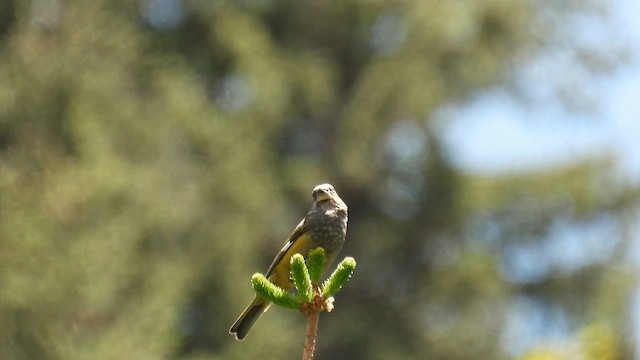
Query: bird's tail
(249, 316)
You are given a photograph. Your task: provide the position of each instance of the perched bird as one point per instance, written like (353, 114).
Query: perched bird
(324, 226)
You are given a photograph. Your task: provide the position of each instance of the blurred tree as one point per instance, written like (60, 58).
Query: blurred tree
(151, 150)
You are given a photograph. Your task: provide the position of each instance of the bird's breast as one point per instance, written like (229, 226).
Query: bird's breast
(328, 230)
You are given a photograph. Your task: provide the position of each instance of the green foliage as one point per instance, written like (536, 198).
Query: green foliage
(339, 277)
(300, 275)
(316, 261)
(273, 293)
(301, 279)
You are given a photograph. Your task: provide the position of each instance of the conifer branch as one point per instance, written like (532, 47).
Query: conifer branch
(315, 261)
(311, 298)
(301, 279)
(340, 276)
(268, 290)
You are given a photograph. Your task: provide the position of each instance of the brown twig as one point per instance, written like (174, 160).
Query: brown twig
(312, 334)
(311, 312)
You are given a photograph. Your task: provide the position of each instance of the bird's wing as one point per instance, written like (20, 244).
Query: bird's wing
(299, 230)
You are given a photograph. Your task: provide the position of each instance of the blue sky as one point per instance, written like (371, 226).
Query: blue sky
(495, 133)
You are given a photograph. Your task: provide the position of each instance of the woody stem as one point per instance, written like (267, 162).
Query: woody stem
(312, 333)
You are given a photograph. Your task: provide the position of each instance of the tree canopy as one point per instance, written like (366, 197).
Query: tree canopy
(152, 151)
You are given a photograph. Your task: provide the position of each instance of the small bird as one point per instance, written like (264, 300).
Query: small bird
(324, 226)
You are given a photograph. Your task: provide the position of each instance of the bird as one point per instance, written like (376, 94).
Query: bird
(325, 225)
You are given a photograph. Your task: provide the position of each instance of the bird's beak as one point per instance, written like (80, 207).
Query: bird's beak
(322, 196)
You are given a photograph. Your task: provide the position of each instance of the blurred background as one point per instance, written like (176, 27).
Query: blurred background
(154, 154)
